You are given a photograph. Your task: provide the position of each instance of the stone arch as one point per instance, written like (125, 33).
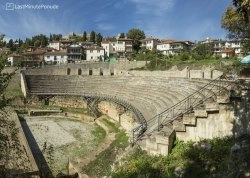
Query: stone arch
(79, 71)
(90, 71)
(101, 71)
(68, 71)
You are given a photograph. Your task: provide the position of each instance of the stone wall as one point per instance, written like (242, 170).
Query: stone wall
(109, 69)
(208, 125)
(124, 117)
(25, 144)
(68, 101)
(23, 85)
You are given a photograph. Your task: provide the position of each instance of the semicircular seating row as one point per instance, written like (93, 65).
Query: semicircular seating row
(151, 95)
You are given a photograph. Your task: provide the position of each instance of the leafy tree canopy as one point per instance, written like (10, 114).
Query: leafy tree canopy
(236, 21)
(136, 35)
(4, 78)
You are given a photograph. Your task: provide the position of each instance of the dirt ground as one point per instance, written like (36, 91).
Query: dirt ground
(62, 139)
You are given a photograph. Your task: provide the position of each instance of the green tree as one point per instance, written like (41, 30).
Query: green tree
(84, 36)
(98, 39)
(243, 8)
(37, 43)
(122, 35)
(11, 45)
(1, 40)
(136, 35)
(202, 51)
(92, 36)
(236, 21)
(4, 79)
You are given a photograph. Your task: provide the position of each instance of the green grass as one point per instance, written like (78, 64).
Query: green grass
(99, 134)
(101, 166)
(112, 126)
(12, 93)
(195, 161)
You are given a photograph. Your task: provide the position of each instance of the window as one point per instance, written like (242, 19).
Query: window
(91, 51)
(48, 57)
(98, 51)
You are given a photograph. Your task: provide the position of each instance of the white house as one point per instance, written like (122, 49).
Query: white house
(95, 53)
(55, 45)
(149, 43)
(164, 47)
(109, 48)
(123, 47)
(59, 57)
(172, 47)
(14, 59)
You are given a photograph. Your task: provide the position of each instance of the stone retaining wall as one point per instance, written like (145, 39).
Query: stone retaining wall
(120, 68)
(124, 117)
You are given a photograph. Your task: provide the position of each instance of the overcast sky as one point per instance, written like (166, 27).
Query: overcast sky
(171, 19)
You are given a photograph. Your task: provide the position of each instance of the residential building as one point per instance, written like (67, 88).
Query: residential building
(95, 53)
(86, 44)
(236, 45)
(109, 48)
(75, 53)
(218, 46)
(14, 59)
(172, 47)
(55, 45)
(123, 47)
(227, 52)
(34, 58)
(58, 57)
(64, 44)
(149, 43)
(4, 50)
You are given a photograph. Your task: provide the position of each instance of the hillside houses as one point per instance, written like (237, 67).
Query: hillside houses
(69, 51)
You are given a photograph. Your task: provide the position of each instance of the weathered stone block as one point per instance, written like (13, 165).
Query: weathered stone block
(189, 120)
(223, 99)
(213, 106)
(178, 126)
(200, 113)
(160, 142)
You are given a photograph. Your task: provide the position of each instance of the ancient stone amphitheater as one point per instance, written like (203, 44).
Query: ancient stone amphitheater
(153, 107)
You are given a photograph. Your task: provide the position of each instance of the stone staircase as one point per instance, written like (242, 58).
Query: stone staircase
(193, 118)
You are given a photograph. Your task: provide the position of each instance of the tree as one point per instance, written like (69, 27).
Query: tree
(236, 21)
(37, 43)
(98, 39)
(122, 35)
(202, 51)
(1, 40)
(4, 79)
(84, 36)
(243, 8)
(11, 45)
(92, 36)
(136, 35)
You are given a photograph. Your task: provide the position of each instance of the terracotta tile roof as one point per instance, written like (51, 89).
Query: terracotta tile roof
(60, 53)
(95, 48)
(36, 52)
(14, 55)
(124, 39)
(228, 50)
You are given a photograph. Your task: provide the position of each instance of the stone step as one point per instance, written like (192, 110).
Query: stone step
(201, 113)
(178, 126)
(160, 142)
(189, 120)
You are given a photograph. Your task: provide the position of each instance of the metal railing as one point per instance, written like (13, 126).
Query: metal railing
(212, 89)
